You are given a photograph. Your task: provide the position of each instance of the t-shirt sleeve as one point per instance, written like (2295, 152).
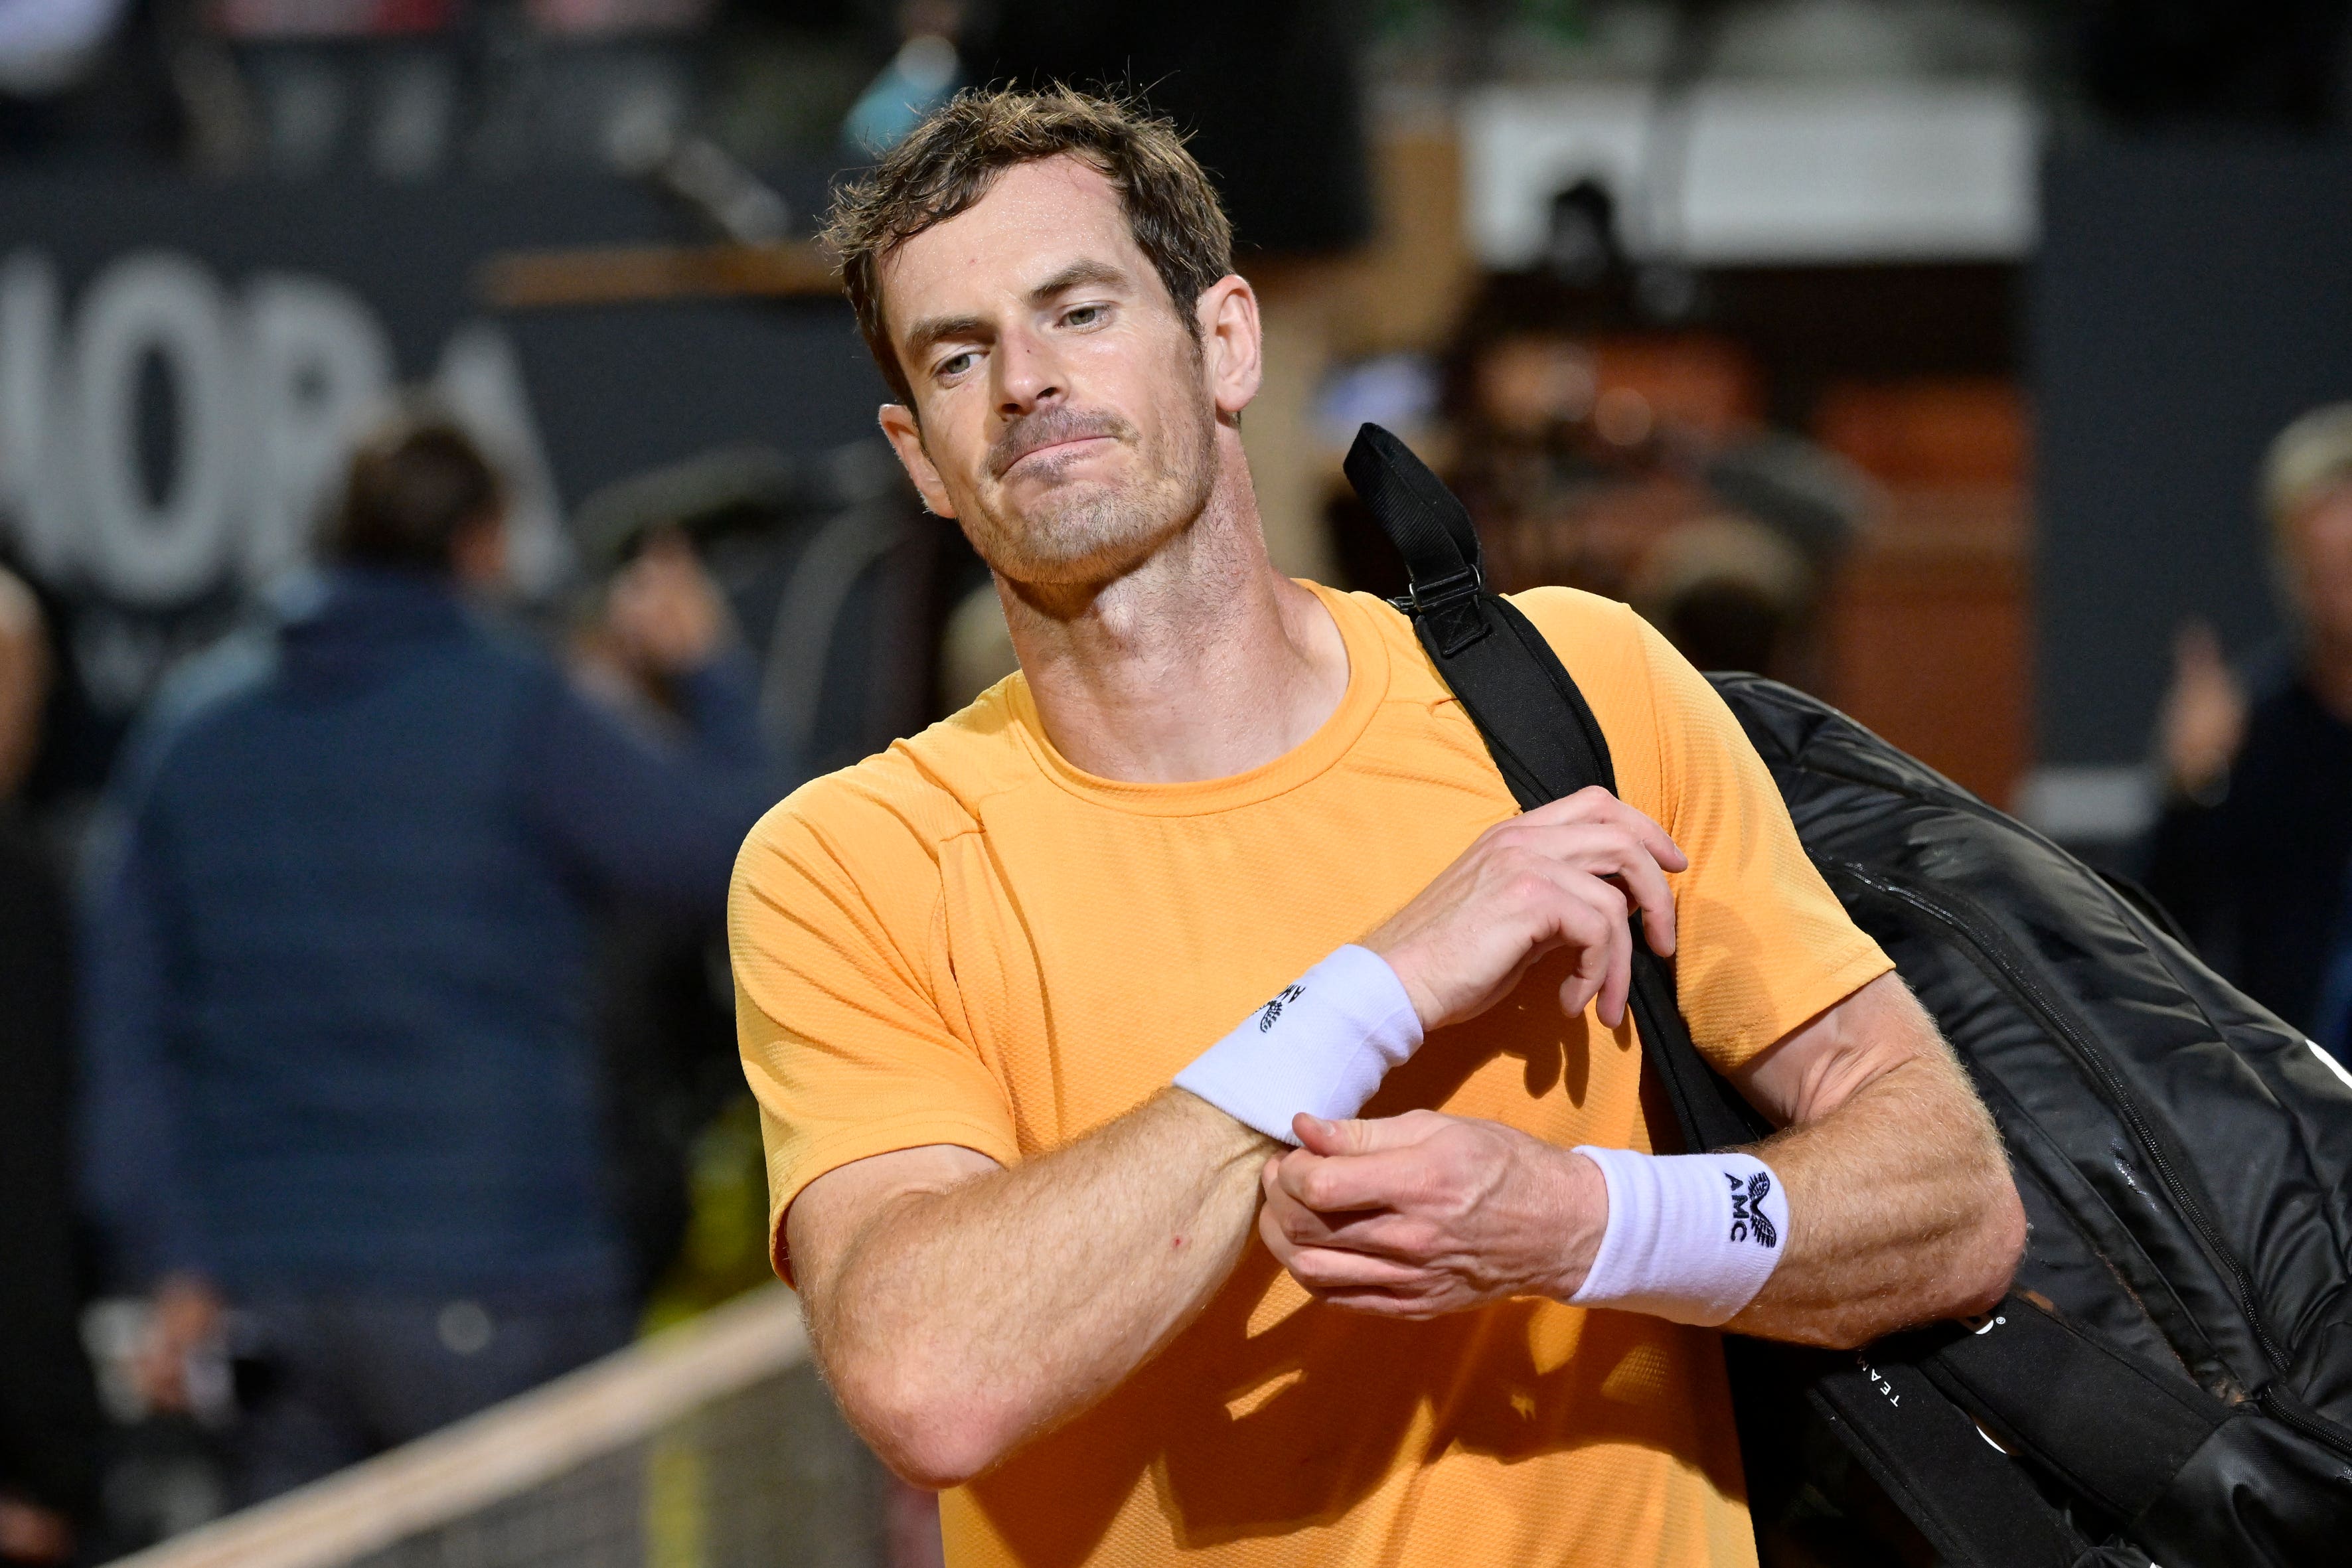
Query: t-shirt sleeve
(1762, 944)
(839, 1006)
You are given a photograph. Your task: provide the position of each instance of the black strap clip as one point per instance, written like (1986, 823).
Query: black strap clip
(1449, 607)
(1433, 598)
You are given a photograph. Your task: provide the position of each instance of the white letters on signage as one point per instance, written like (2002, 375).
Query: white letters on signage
(264, 393)
(28, 364)
(157, 540)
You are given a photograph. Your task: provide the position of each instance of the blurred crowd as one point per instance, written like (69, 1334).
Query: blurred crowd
(690, 94)
(1595, 449)
(315, 1048)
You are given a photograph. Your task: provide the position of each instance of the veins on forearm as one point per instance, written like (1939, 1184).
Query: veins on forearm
(1901, 1206)
(1043, 1284)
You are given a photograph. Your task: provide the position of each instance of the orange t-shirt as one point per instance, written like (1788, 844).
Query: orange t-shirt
(968, 940)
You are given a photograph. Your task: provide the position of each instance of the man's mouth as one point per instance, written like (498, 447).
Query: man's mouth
(1053, 434)
(1066, 446)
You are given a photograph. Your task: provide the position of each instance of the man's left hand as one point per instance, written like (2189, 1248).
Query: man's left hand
(1413, 1216)
(1902, 1207)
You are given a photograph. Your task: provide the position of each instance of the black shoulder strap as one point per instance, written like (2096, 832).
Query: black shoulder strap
(1978, 1508)
(1512, 685)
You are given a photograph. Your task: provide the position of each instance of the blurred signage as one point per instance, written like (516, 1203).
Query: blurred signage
(183, 366)
(330, 18)
(1740, 173)
(613, 18)
(166, 439)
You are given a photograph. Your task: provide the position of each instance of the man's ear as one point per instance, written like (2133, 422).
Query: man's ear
(906, 440)
(1232, 342)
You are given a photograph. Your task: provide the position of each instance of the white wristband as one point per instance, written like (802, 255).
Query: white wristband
(1321, 1046)
(1691, 1237)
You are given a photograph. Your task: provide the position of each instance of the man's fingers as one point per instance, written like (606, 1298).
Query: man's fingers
(1618, 980)
(1271, 1231)
(1540, 881)
(1590, 917)
(1590, 804)
(1363, 1135)
(1337, 1185)
(1382, 1303)
(1382, 1233)
(1331, 1269)
(1585, 850)
(1317, 1136)
(1345, 1166)
(1653, 838)
(1594, 804)
(1329, 1184)
(1617, 855)
(1645, 885)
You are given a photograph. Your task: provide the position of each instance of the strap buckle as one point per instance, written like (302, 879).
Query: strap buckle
(1447, 609)
(1462, 584)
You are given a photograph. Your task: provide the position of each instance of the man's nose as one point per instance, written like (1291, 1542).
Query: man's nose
(1028, 375)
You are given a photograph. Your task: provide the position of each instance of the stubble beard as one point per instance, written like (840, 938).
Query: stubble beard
(1085, 532)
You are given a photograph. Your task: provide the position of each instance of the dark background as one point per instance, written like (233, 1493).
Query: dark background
(2192, 296)
(616, 389)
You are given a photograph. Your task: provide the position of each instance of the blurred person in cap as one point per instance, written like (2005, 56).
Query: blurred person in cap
(48, 1410)
(2251, 851)
(340, 1068)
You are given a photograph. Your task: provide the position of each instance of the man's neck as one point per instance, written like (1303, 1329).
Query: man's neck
(1201, 662)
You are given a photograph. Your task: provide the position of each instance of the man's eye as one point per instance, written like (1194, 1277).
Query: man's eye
(1082, 316)
(955, 364)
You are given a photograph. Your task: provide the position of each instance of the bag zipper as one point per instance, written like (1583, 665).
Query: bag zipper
(2282, 1407)
(1995, 950)
(2277, 1402)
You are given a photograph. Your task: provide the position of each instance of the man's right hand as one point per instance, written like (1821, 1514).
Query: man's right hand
(1565, 875)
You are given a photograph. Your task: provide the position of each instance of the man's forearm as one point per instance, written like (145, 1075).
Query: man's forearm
(1902, 1211)
(1900, 1207)
(960, 1323)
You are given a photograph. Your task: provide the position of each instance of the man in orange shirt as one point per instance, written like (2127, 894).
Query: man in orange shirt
(1002, 990)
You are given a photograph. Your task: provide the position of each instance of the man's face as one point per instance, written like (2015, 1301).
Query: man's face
(2319, 557)
(1065, 418)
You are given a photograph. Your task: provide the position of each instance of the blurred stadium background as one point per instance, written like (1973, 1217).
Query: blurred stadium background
(1922, 353)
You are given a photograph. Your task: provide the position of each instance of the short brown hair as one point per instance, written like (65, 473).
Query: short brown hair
(414, 486)
(949, 161)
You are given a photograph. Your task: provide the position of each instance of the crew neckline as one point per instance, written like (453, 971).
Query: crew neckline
(1368, 684)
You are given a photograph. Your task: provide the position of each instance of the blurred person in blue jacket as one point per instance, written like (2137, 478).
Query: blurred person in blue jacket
(342, 1090)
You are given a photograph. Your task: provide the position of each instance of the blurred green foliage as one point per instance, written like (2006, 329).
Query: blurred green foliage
(725, 1252)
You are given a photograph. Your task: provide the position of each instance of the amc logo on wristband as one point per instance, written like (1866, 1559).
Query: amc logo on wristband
(1273, 1010)
(1747, 1209)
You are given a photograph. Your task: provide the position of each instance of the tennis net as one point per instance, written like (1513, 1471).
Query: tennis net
(711, 1445)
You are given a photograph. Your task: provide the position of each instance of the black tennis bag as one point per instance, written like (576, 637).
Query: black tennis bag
(2169, 1380)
